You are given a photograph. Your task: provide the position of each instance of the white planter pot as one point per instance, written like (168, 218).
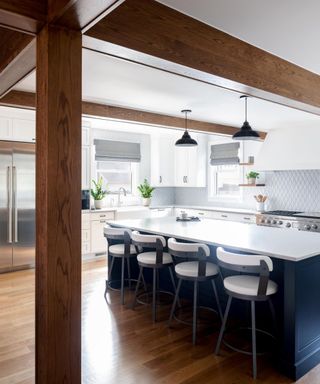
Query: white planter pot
(98, 204)
(252, 181)
(146, 201)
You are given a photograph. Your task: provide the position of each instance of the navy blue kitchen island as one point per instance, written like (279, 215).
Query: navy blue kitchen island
(296, 258)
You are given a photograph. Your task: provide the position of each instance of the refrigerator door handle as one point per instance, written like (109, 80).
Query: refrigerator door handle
(14, 182)
(9, 191)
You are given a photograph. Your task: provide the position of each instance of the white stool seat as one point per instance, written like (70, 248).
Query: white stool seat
(190, 269)
(247, 285)
(118, 250)
(150, 258)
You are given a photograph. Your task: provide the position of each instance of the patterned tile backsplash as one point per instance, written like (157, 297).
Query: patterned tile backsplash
(294, 190)
(287, 190)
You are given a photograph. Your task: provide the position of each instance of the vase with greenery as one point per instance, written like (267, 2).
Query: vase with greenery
(98, 193)
(146, 190)
(252, 177)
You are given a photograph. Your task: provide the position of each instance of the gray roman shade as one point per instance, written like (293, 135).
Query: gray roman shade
(222, 154)
(109, 150)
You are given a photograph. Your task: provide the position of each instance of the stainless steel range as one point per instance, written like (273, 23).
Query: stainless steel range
(302, 221)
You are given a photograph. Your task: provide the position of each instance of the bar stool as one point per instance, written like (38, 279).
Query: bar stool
(156, 260)
(246, 287)
(196, 271)
(124, 250)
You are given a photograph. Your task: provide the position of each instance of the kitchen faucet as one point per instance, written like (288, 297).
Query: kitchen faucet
(119, 195)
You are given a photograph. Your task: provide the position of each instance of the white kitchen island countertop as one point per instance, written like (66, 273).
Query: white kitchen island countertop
(287, 244)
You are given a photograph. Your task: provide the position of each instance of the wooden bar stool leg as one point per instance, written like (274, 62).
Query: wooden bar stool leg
(217, 299)
(122, 280)
(195, 303)
(137, 288)
(223, 326)
(154, 294)
(254, 344)
(176, 298)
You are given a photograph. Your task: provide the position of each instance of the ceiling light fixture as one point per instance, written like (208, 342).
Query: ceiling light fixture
(246, 132)
(186, 140)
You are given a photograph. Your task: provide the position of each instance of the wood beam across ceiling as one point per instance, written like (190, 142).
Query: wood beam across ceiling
(28, 16)
(153, 34)
(27, 100)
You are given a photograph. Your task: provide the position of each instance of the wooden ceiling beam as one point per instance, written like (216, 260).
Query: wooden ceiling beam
(156, 35)
(23, 63)
(23, 15)
(79, 14)
(28, 100)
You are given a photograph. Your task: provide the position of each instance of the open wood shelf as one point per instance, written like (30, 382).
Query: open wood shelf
(251, 185)
(246, 164)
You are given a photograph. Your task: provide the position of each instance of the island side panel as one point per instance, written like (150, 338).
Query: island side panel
(301, 327)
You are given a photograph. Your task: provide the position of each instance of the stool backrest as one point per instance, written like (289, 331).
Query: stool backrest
(115, 233)
(190, 250)
(252, 264)
(150, 241)
(122, 234)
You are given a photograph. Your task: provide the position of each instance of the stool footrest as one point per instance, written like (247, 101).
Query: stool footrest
(243, 351)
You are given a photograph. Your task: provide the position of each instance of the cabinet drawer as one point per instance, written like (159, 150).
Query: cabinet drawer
(85, 235)
(85, 248)
(99, 216)
(85, 221)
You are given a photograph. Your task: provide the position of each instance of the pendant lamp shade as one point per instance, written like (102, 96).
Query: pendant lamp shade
(186, 140)
(246, 132)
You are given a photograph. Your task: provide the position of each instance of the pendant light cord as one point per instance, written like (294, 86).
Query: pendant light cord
(186, 120)
(246, 108)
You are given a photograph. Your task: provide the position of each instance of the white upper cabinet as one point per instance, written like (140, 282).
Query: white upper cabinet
(17, 124)
(162, 160)
(23, 130)
(173, 166)
(190, 164)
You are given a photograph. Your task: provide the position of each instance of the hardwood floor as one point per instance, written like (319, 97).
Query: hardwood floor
(121, 346)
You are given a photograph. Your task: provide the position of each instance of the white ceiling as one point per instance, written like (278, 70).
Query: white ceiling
(287, 28)
(116, 82)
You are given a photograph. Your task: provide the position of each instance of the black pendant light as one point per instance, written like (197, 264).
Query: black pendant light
(186, 140)
(246, 132)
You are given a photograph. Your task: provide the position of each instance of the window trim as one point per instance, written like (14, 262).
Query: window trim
(212, 183)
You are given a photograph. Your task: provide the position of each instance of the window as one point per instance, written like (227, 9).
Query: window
(225, 180)
(118, 174)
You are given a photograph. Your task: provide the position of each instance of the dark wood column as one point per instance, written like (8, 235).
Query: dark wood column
(58, 206)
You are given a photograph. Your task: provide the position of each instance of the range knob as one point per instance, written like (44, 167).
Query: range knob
(307, 227)
(268, 221)
(274, 221)
(288, 225)
(280, 222)
(314, 226)
(262, 220)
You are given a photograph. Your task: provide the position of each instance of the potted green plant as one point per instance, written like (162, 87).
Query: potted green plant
(146, 190)
(252, 177)
(98, 193)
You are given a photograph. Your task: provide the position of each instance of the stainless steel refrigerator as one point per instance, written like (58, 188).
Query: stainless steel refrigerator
(17, 205)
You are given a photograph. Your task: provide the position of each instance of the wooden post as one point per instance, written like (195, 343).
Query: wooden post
(58, 206)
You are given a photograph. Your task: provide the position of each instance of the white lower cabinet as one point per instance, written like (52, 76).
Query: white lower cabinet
(98, 221)
(85, 234)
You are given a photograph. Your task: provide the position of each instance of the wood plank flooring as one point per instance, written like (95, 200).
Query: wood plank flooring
(121, 346)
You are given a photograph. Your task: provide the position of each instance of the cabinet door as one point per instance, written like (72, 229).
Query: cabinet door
(181, 166)
(23, 130)
(98, 241)
(192, 161)
(162, 157)
(5, 129)
(85, 175)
